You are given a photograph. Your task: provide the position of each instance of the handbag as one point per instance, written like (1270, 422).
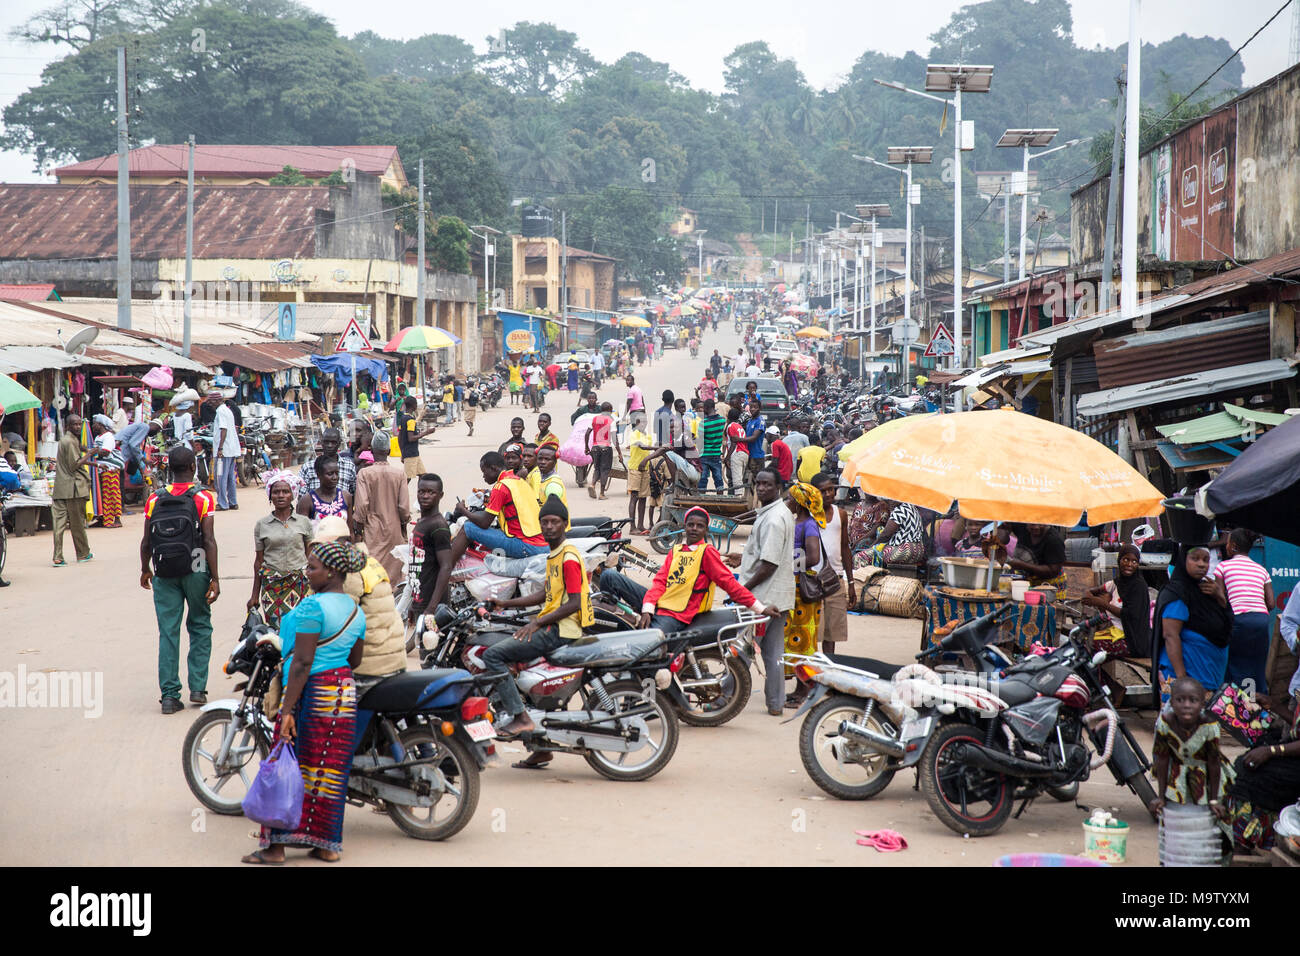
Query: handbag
(1240, 715)
(275, 797)
(818, 585)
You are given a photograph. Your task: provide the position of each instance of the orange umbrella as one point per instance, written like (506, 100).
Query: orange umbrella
(1004, 465)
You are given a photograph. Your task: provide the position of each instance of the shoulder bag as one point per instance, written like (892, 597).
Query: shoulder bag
(814, 586)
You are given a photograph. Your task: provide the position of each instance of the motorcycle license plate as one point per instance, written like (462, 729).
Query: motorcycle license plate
(480, 731)
(916, 728)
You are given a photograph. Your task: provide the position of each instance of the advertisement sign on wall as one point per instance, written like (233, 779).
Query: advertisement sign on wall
(1161, 198)
(520, 332)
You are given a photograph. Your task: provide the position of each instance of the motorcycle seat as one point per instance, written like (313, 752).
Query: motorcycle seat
(1015, 689)
(709, 622)
(594, 521)
(621, 648)
(416, 690)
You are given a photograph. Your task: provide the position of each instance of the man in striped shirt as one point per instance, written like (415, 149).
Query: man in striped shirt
(711, 432)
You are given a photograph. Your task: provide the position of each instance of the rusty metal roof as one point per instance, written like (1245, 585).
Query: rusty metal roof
(1195, 347)
(28, 293)
(258, 161)
(41, 221)
(264, 357)
(1184, 388)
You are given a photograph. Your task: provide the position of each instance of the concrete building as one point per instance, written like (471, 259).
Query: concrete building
(252, 244)
(536, 281)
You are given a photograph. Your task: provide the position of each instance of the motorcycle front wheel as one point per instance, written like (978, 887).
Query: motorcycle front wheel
(449, 815)
(966, 799)
(821, 747)
(712, 707)
(221, 789)
(661, 741)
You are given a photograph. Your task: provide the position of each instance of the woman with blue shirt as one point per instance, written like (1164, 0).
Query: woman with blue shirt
(321, 640)
(1193, 624)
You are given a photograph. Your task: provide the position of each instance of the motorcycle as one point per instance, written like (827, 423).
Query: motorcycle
(422, 738)
(624, 682)
(980, 740)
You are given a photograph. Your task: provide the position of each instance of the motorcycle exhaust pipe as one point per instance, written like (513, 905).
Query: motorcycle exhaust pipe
(886, 745)
(997, 762)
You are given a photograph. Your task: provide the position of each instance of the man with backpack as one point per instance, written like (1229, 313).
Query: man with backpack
(178, 562)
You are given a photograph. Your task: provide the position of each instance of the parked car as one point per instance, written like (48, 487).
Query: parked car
(782, 349)
(767, 334)
(776, 403)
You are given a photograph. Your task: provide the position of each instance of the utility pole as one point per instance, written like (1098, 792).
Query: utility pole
(564, 275)
(1112, 196)
(1128, 275)
(872, 292)
(776, 209)
(123, 200)
(923, 315)
(1006, 237)
(189, 250)
(419, 257)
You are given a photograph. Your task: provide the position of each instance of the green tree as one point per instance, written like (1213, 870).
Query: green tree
(432, 56)
(461, 177)
(290, 176)
(537, 59)
(448, 247)
(631, 226)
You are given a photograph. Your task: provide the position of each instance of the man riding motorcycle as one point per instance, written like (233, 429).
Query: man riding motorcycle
(685, 585)
(566, 610)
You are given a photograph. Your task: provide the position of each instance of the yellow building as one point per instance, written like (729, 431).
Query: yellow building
(538, 264)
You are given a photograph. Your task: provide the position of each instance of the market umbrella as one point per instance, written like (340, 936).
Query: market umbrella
(1261, 488)
(853, 448)
(803, 363)
(633, 322)
(779, 287)
(15, 398)
(1004, 465)
(813, 332)
(686, 309)
(420, 338)
(660, 309)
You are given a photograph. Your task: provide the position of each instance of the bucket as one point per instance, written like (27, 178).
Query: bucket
(1185, 525)
(1105, 844)
(1018, 589)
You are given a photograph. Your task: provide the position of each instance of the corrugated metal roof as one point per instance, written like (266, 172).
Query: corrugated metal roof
(1227, 424)
(144, 355)
(992, 373)
(1183, 387)
(266, 357)
(26, 293)
(1195, 347)
(42, 221)
(257, 161)
(33, 358)
(1105, 320)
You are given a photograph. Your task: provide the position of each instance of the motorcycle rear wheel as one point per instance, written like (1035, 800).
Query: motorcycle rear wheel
(627, 694)
(967, 800)
(733, 695)
(460, 770)
(201, 744)
(820, 730)
(663, 535)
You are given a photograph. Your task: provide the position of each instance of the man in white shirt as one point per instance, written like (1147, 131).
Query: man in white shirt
(125, 414)
(598, 366)
(225, 439)
(534, 373)
(752, 370)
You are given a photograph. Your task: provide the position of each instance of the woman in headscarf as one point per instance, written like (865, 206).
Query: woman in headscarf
(280, 540)
(321, 640)
(809, 518)
(1193, 625)
(105, 483)
(1128, 603)
(901, 540)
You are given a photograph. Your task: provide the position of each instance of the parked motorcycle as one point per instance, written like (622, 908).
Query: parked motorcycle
(980, 740)
(422, 738)
(624, 683)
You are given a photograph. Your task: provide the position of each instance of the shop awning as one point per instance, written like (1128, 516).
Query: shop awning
(1184, 387)
(34, 358)
(262, 357)
(1230, 423)
(130, 356)
(981, 377)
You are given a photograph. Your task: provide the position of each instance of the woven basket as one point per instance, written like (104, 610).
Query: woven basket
(891, 595)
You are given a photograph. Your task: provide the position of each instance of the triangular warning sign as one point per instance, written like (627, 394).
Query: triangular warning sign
(941, 343)
(353, 339)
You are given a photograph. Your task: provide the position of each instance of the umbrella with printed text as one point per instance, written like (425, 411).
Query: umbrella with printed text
(1003, 465)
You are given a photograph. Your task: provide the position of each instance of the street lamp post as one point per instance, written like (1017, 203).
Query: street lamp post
(953, 78)
(872, 211)
(903, 156)
(699, 244)
(1024, 138)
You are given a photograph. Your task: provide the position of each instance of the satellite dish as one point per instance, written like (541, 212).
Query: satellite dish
(77, 344)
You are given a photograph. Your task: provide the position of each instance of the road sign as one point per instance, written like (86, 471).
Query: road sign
(941, 343)
(353, 339)
(288, 324)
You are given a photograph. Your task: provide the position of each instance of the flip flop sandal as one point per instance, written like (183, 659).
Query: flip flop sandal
(59, 564)
(886, 841)
(258, 857)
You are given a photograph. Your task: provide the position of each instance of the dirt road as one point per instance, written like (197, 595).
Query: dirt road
(108, 789)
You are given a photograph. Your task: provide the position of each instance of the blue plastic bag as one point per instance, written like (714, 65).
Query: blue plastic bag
(275, 798)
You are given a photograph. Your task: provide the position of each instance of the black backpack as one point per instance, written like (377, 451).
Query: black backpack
(175, 534)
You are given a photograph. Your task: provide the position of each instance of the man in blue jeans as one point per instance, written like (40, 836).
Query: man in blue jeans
(711, 432)
(512, 507)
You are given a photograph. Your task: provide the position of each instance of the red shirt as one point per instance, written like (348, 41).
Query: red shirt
(501, 502)
(712, 571)
(204, 500)
(782, 460)
(600, 429)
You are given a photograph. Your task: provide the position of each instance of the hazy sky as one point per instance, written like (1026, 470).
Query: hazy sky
(693, 37)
